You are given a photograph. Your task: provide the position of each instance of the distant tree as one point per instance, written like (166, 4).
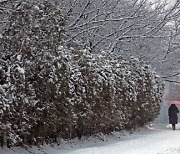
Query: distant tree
(133, 28)
(173, 93)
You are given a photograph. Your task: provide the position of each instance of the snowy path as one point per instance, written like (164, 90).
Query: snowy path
(157, 139)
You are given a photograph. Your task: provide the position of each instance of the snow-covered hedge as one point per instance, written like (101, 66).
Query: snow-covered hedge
(49, 91)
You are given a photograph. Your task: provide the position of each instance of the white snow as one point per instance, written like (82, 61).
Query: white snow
(20, 69)
(19, 57)
(155, 139)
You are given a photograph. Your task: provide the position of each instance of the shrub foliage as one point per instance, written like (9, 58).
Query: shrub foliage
(49, 91)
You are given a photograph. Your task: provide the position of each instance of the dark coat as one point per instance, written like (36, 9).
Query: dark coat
(172, 112)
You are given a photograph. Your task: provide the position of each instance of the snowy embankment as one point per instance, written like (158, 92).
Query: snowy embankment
(156, 139)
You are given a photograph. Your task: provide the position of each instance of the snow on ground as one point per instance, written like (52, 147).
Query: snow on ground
(155, 139)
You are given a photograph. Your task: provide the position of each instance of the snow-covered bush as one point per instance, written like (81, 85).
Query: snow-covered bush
(28, 53)
(148, 91)
(49, 91)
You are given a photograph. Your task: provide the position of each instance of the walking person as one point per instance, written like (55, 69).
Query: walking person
(173, 118)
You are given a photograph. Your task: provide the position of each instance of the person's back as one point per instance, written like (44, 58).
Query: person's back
(173, 118)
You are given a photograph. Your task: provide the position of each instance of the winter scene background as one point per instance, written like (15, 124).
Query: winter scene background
(89, 76)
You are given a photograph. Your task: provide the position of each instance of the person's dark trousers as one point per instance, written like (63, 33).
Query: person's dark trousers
(173, 126)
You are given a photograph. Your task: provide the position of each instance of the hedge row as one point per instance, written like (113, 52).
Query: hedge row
(50, 92)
